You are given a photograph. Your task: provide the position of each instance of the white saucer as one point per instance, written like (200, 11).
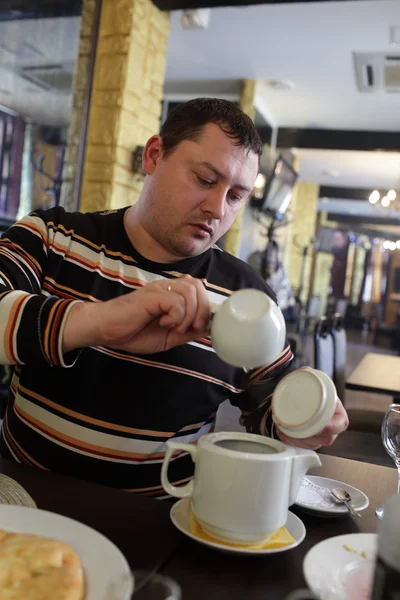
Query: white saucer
(325, 563)
(311, 500)
(180, 516)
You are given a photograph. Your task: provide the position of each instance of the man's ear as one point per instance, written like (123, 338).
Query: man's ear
(152, 154)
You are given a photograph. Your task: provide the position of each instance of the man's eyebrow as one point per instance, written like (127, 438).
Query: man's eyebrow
(220, 174)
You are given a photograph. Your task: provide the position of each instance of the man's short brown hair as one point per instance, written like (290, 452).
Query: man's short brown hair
(186, 121)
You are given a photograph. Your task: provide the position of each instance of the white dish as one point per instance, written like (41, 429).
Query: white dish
(180, 517)
(325, 563)
(310, 500)
(102, 560)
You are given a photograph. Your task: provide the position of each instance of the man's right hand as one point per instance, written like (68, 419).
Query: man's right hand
(154, 318)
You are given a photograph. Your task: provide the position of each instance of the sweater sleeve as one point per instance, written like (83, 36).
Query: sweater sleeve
(31, 321)
(255, 402)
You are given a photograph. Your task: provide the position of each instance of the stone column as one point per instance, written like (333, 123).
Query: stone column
(322, 278)
(358, 274)
(126, 100)
(232, 236)
(392, 307)
(303, 216)
(351, 261)
(376, 293)
(79, 84)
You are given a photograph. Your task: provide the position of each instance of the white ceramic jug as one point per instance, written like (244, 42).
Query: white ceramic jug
(243, 483)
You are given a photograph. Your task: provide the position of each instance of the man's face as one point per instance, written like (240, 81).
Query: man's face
(194, 194)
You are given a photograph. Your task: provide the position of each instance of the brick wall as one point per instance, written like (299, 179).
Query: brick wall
(126, 99)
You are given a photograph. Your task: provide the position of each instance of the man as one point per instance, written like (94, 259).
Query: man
(106, 314)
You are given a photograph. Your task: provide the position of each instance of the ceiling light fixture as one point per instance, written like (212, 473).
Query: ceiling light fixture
(387, 200)
(280, 84)
(389, 245)
(374, 197)
(198, 18)
(331, 172)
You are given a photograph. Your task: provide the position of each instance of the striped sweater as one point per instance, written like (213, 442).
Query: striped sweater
(102, 414)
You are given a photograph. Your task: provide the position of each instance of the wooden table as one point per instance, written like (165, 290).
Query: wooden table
(142, 529)
(206, 574)
(376, 373)
(139, 526)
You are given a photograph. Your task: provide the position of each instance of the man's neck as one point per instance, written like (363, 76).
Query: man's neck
(142, 241)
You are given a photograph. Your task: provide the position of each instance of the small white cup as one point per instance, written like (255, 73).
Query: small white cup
(303, 402)
(248, 330)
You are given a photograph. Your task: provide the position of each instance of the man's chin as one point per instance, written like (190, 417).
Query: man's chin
(195, 248)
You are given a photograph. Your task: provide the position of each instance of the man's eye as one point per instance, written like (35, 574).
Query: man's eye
(235, 198)
(205, 182)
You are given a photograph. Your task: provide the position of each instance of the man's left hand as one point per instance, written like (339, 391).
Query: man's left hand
(338, 423)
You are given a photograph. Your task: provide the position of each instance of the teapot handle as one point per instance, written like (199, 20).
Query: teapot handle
(185, 491)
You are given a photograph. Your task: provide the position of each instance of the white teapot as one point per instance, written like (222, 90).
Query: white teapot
(243, 483)
(248, 330)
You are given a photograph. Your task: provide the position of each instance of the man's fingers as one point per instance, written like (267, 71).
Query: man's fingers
(174, 308)
(197, 303)
(203, 307)
(175, 338)
(312, 443)
(190, 294)
(338, 423)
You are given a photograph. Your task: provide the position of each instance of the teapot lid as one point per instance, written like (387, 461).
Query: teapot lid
(303, 402)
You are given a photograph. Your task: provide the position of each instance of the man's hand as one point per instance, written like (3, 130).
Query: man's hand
(338, 423)
(157, 317)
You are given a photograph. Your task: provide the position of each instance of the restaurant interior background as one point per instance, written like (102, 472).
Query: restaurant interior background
(84, 84)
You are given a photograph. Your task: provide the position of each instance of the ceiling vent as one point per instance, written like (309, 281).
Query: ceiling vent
(56, 78)
(378, 71)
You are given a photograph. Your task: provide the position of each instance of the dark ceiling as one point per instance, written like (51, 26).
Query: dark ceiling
(190, 4)
(29, 9)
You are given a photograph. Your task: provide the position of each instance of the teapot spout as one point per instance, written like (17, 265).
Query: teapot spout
(302, 462)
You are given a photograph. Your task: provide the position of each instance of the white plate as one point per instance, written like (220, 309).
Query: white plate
(102, 560)
(313, 503)
(180, 516)
(325, 561)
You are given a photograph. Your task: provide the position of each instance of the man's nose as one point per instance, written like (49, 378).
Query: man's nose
(215, 202)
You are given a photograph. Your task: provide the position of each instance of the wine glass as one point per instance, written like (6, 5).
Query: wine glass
(391, 441)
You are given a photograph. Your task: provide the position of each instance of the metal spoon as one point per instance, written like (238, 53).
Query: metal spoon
(343, 497)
